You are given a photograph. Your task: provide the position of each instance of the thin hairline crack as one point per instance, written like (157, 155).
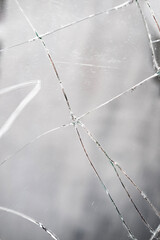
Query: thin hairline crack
(108, 11)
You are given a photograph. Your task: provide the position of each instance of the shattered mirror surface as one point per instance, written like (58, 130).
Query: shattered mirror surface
(80, 119)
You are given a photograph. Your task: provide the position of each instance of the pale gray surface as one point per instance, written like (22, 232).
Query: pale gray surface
(51, 180)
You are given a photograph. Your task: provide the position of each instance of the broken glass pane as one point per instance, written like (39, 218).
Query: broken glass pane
(79, 120)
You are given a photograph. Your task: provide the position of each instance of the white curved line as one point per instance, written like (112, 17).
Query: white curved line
(8, 210)
(8, 123)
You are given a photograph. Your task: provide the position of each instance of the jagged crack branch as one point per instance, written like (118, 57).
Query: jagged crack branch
(130, 234)
(116, 164)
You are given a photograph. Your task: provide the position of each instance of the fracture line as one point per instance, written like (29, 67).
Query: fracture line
(155, 41)
(50, 59)
(156, 232)
(67, 25)
(114, 165)
(155, 63)
(125, 4)
(119, 95)
(32, 141)
(21, 215)
(153, 14)
(130, 234)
